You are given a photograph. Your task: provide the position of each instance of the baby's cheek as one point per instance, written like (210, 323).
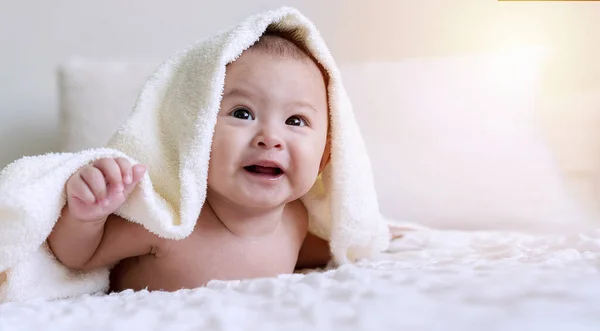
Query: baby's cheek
(301, 157)
(308, 179)
(310, 167)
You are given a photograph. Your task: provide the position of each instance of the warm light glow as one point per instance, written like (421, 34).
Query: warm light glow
(519, 63)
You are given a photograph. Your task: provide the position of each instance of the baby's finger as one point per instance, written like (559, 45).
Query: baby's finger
(94, 179)
(138, 171)
(125, 166)
(78, 189)
(112, 173)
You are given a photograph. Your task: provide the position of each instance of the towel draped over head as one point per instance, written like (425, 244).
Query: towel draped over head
(170, 131)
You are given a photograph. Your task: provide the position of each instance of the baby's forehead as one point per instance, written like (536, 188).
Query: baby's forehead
(256, 68)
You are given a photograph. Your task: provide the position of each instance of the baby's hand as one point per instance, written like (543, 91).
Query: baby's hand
(99, 189)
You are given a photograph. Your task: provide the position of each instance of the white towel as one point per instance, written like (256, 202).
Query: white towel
(170, 131)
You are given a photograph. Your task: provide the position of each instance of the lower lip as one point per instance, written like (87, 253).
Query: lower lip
(263, 176)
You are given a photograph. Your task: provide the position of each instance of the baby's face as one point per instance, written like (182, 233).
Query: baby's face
(271, 131)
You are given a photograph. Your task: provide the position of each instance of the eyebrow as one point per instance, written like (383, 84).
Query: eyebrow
(304, 104)
(236, 91)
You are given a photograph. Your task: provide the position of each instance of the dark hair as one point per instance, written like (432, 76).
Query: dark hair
(287, 43)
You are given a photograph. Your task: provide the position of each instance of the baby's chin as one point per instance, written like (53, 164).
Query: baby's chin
(267, 203)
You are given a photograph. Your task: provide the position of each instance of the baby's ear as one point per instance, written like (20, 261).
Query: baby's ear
(326, 155)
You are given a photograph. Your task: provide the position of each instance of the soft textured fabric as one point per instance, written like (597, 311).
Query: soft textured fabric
(429, 280)
(170, 131)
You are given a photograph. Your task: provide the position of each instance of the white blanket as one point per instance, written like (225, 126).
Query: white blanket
(427, 281)
(170, 132)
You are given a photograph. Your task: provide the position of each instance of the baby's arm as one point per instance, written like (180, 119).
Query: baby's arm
(74, 241)
(85, 236)
(86, 246)
(122, 239)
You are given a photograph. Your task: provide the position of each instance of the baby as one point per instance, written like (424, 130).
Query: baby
(270, 143)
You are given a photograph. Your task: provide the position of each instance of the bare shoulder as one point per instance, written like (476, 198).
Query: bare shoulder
(314, 252)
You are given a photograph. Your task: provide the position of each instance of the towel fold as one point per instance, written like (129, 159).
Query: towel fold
(170, 131)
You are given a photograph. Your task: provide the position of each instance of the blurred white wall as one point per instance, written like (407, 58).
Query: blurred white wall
(392, 29)
(36, 36)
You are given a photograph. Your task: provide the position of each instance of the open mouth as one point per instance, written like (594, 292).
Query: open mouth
(264, 171)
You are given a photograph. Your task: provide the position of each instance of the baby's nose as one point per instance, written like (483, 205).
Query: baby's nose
(268, 140)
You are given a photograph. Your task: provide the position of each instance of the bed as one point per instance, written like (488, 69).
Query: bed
(509, 243)
(434, 280)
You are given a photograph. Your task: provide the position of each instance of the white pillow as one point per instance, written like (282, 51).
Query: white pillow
(453, 143)
(96, 97)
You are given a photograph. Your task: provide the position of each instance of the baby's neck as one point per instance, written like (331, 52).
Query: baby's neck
(245, 222)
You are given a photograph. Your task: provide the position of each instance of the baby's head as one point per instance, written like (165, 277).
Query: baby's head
(271, 137)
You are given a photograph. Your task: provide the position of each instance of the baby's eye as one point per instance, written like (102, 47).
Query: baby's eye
(295, 121)
(242, 113)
